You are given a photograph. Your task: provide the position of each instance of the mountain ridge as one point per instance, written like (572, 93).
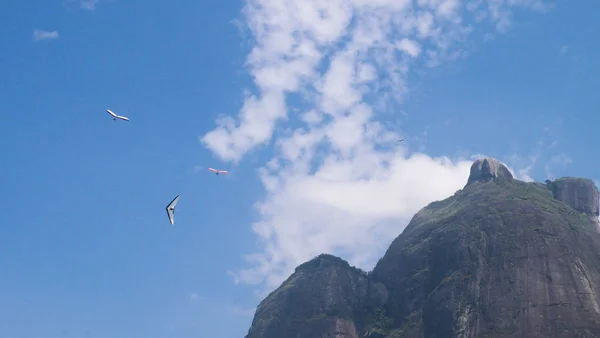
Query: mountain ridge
(498, 258)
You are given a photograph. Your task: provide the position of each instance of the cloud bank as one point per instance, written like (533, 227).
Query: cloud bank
(329, 76)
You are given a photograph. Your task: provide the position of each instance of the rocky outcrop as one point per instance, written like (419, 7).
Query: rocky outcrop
(324, 297)
(485, 169)
(579, 193)
(497, 259)
(500, 258)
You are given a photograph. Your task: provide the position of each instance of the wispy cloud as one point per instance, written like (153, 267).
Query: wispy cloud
(194, 297)
(559, 161)
(89, 4)
(542, 153)
(524, 164)
(39, 35)
(338, 182)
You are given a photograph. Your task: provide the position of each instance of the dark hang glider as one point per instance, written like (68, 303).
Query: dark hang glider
(171, 209)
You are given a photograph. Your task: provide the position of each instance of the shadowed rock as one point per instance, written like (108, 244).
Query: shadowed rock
(322, 298)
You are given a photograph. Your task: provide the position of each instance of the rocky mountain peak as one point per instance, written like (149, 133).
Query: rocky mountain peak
(322, 298)
(485, 169)
(323, 261)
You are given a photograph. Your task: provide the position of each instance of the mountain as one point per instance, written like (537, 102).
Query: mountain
(499, 258)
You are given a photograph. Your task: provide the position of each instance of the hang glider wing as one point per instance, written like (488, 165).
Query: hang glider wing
(171, 209)
(115, 116)
(218, 171)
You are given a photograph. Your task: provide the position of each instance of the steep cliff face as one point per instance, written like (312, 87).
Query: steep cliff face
(579, 193)
(500, 258)
(324, 297)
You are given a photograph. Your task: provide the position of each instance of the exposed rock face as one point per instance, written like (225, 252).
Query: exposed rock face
(500, 258)
(485, 169)
(322, 298)
(579, 193)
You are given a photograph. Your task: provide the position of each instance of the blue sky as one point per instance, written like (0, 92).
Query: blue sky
(86, 249)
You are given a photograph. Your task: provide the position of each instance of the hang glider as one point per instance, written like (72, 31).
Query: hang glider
(218, 171)
(115, 116)
(400, 140)
(171, 209)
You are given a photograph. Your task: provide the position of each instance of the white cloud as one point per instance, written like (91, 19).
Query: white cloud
(88, 4)
(195, 297)
(353, 207)
(410, 47)
(338, 182)
(39, 35)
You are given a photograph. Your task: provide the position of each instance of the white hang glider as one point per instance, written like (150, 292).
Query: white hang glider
(218, 171)
(115, 116)
(171, 209)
